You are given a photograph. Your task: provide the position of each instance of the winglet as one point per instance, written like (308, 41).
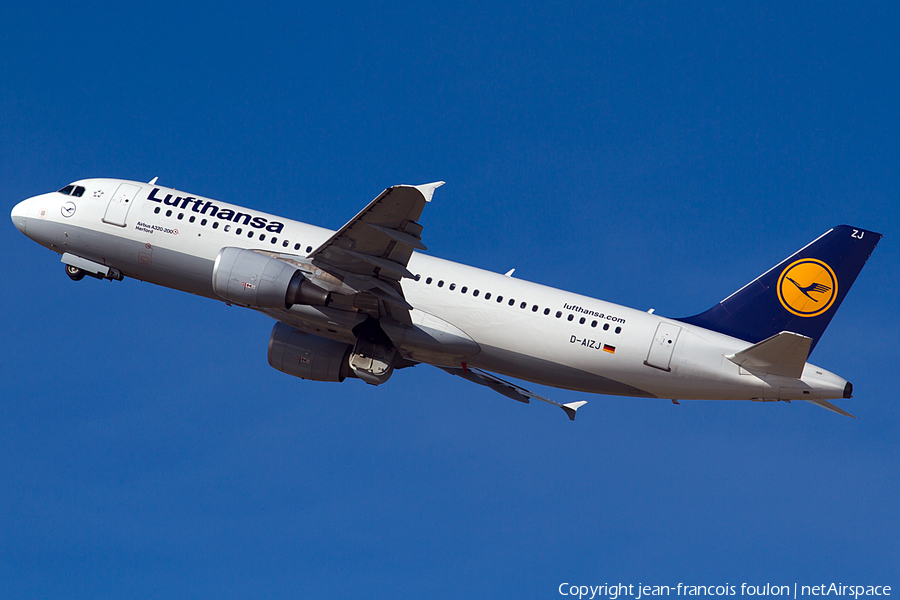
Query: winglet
(153, 181)
(829, 406)
(571, 407)
(427, 189)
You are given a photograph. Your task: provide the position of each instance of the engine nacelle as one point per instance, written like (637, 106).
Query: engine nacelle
(253, 279)
(308, 356)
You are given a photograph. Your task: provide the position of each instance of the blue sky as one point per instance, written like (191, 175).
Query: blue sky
(658, 156)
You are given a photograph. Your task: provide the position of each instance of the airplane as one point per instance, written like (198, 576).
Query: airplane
(363, 301)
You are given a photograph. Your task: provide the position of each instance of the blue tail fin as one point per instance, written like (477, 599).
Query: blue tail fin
(800, 294)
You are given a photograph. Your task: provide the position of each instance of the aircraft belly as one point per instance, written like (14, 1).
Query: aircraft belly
(431, 340)
(549, 372)
(136, 259)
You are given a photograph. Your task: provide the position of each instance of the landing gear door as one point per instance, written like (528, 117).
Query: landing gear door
(119, 204)
(660, 354)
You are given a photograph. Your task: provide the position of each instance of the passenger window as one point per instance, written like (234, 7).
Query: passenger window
(168, 213)
(618, 330)
(262, 237)
(546, 311)
(581, 320)
(284, 244)
(558, 314)
(308, 249)
(441, 283)
(239, 230)
(417, 277)
(452, 286)
(274, 240)
(180, 216)
(499, 299)
(534, 308)
(523, 305)
(67, 190)
(570, 317)
(606, 327)
(203, 222)
(475, 292)
(593, 323)
(487, 295)
(192, 219)
(511, 301)
(156, 211)
(428, 281)
(464, 289)
(228, 228)
(215, 224)
(296, 246)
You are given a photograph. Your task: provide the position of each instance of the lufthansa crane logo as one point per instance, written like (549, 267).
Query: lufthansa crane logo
(807, 287)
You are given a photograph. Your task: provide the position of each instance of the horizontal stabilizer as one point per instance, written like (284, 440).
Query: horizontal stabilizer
(829, 406)
(510, 390)
(782, 354)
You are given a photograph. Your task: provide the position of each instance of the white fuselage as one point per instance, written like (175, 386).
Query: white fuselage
(513, 327)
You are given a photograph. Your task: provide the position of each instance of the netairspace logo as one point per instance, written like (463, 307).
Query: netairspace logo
(795, 591)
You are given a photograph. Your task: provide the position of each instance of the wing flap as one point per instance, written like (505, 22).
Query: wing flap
(400, 236)
(379, 263)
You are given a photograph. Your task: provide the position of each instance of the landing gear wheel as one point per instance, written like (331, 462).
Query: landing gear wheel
(74, 273)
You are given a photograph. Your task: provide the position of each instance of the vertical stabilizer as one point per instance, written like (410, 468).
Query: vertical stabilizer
(800, 294)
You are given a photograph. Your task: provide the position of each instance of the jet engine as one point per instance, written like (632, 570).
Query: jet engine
(252, 279)
(308, 356)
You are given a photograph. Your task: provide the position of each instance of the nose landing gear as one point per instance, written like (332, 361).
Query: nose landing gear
(74, 273)
(77, 268)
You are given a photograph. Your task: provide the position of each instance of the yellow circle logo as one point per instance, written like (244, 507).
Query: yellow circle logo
(807, 287)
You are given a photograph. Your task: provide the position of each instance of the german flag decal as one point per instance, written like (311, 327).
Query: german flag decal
(608, 348)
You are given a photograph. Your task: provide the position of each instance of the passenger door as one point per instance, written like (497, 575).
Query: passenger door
(121, 201)
(660, 354)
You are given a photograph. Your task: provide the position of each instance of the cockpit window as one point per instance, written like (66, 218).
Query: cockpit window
(72, 190)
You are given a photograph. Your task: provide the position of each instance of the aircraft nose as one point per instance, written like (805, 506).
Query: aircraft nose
(18, 214)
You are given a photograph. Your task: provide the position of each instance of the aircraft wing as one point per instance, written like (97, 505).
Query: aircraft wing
(370, 253)
(510, 390)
